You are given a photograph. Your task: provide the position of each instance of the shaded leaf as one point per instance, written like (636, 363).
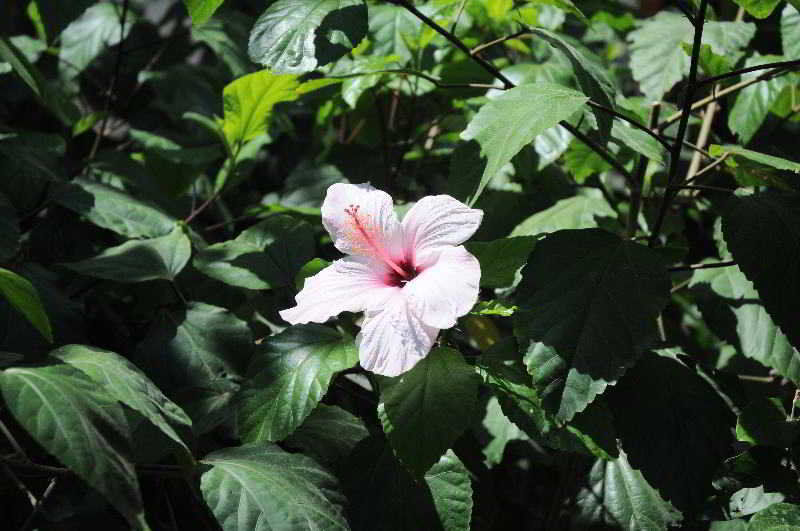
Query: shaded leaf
(9, 229)
(587, 308)
(81, 425)
(122, 380)
(328, 434)
(776, 517)
(140, 260)
(261, 488)
(790, 31)
(618, 495)
(288, 376)
(424, 410)
(381, 490)
(674, 428)
(763, 234)
(113, 209)
(267, 255)
(764, 421)
(22, 295)
(501, 259)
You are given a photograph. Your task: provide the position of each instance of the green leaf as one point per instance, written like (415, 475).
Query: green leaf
(29, 47)
(748, 501)
(674, 428)
(391, 30)
(504, 125)
(759, 338)
(424, 410)
(329, 434)
(113, 209)
(761, 158)
(567, 6)
(266, 255)
(776, 517)
(501, 430)
(592, 75)
(82, 426)
(493, 307)
(263, 488)
(764, 421)
(195, 347)
(657, 58)
(763, 234)
(123, 381)
(288, 376)
(308, 183)
(9, 229)
(639, 141)
(790, 30)
(451, 487)
(381, 490)
(577, 212)
(759, 8)
(140, 260)
(581, 162)
(618, 495)
(753, 103)
(248, 103)
(50, 94)
(201, 10)
(588, 302)
(227, 35)
(296, 36)
(21, 294)
(97, 29)
(501, 259)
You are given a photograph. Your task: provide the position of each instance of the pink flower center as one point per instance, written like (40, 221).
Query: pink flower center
(365, 235)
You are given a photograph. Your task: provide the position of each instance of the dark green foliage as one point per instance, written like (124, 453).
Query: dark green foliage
(632, 358)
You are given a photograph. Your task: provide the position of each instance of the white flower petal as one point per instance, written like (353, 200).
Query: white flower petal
(446, 290)
(352, 284)
(361, 220)
(393, 340)
(437, 221)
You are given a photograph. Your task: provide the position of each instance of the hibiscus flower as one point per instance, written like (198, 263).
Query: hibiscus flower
(411, 279)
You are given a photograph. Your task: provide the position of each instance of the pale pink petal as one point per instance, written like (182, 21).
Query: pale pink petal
(437, 221)
(393, 340)
(352, 284)
(445, 290)
(361, 221)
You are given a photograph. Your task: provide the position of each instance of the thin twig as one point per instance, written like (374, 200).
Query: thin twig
(734, 73)
(39, 504)
(661, 140)
(717, 94)
(694, 267)
(702, 187)
(112, 84)
(638, 181)
(684, 122)
(478, 49)
(407, 71)
(702, 139)
(710, 167)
